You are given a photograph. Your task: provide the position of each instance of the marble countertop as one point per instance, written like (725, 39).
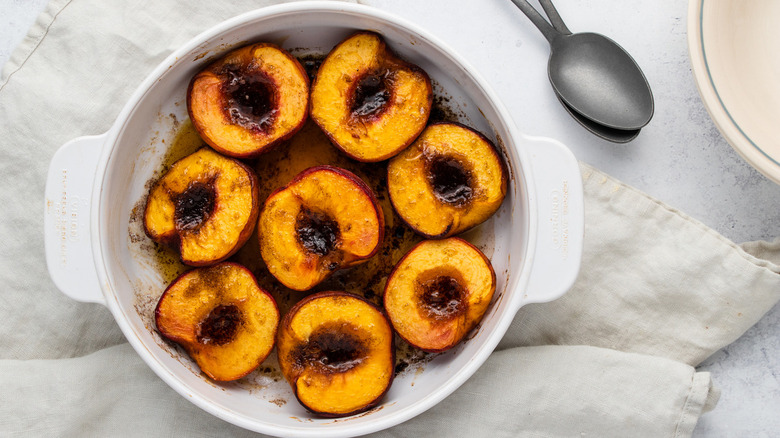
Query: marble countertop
(680, 158)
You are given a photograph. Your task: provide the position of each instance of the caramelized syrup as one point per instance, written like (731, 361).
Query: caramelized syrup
(443, 297)
(220, 326)
(371, 95)
(451, 182)
(252, 101)
(186, 142)
(194, 206)
(311, 64)
(332, 349)
(317, 232)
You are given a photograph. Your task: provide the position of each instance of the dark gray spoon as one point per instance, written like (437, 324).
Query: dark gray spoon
(605, 132)
(599, 83)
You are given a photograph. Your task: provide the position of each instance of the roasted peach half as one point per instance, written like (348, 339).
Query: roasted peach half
(206, 205)
(371, 103)
(449, 180)
(337, 352)
(250, 100)
(220, 315)
(438, 292)
(325, 219)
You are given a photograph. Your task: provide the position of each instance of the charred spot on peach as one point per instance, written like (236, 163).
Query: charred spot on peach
(316, 232)
(332, 348)
(438, 292)
(206, 206)
(220, 325)
(222, 317)
(325, 219)
(336, 350)
(370, 103)
(370, 96)
(441, 297)
(249, 100)
(194, 205)
(449, 180)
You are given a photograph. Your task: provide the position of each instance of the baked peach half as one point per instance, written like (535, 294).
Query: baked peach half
(206, 205)
(337, 352)
(438, 292)
(325, 219)
(370, 103)
(249, 100)
(225, 321)
(449, 180)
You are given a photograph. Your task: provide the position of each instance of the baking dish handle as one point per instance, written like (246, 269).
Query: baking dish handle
(561, 221)
(67, 233)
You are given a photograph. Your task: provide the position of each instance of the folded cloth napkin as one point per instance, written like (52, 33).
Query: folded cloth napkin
(658, 291)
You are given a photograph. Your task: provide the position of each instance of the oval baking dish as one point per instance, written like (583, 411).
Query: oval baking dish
(94, 183)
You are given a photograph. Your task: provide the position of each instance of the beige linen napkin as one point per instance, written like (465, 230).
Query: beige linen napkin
(658, 292)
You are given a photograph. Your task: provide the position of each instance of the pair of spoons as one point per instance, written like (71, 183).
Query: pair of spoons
(598, 82)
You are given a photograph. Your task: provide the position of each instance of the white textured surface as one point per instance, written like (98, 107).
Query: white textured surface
(679, 158)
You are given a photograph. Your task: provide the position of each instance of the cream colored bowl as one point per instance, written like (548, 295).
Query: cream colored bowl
(735, 54)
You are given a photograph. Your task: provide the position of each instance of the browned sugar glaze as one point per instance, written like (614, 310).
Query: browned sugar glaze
(332, 349)
(251, 97)
(442, 297)
(220, 326)
(194, 206)
(317, 232)
(452, 183)
(371, 95)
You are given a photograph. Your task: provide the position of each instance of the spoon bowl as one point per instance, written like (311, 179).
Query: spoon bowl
(597, 78)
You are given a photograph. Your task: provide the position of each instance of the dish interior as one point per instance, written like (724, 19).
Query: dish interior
(738, 76)
(263, 400)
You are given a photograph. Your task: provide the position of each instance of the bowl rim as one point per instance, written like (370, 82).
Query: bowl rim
(734, 134)
(101, 248)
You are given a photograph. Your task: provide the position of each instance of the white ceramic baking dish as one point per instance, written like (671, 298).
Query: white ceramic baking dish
(534, 240)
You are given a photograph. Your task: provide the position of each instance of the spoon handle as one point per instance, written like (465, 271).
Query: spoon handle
(554, 17)
(536, 18)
